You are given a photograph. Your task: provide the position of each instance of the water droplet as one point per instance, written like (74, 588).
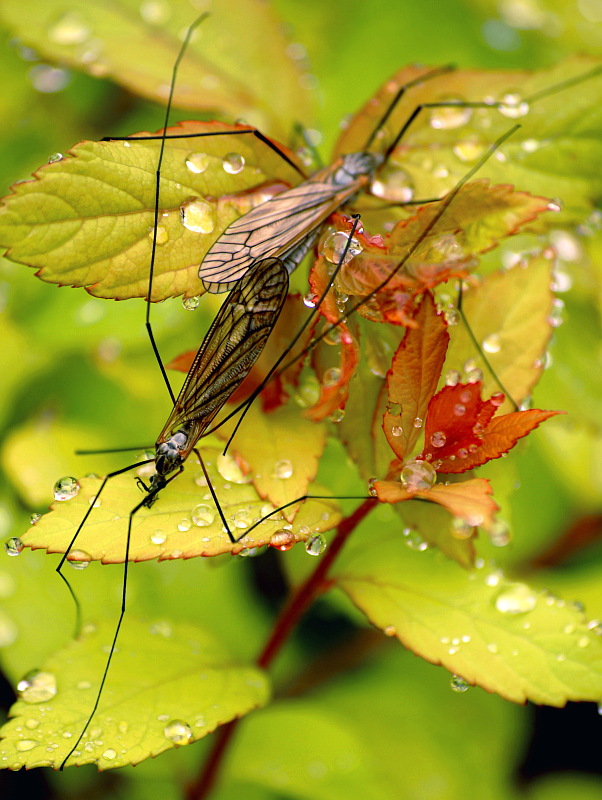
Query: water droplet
(109, 754)
(452, 378)
(394, 185)
(184, 524)
(469, 150)
(158, 537)
(493, 648)
(460, 528)
(390, 630)
(331, 377)
(499, 533)
(155, 12)
(198, 216)
(70, 29)
(233, 163)
(191, 303)
(517, 598)
(229, 469)
(24, 745)
(513, 106)
(459, 410)
(414, 540)
(333, 336)
(396, 430)
(65, 488)
(338, 415)
(282, 469)
(417, 475)
(32, 723)
(37, 686)
(79, 559)
(335, 244)
(315, 545)
(283, 540)
(162, 234)
(452, 116)
(492, 343)
(249, 552)
(371, 489)
(203, 515)
(242, 519)
(438, 439)
(13, 546)
(417, 422)
(309, 300)
(178, 732)
(458, 684)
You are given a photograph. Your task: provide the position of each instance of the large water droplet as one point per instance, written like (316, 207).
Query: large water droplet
(283, 540)
(69, 29)
(438, 439)
(394, 185)
(283, 469)
(517, 598)
(315, 545)
(229, 469)
(203, 515)
(162, 234)
(233, 163)
(178, 732)
(13, 546)
(65, 488)
(191, 303)
(37, 686)
(452, 116)
(335, 244)
(198, 216)
(492, 343)
(417, 475)
(184, 524)
(158, 537)
(513, 106)
(79, 559)
(24, 745)
(458, 684)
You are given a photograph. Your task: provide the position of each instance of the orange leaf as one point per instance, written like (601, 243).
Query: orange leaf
(470, 500)
(413, 377)
(335, 380)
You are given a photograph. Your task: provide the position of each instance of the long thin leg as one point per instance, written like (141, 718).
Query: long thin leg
(76, 534)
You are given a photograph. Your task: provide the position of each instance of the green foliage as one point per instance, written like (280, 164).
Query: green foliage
(78, 373)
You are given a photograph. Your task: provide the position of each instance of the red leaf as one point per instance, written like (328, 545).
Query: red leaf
(461, 433)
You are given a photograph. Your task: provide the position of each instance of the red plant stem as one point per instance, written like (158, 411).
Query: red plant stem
(316, 584)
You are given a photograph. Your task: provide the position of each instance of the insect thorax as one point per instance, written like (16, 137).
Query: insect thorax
(168, 454)
(354, 165)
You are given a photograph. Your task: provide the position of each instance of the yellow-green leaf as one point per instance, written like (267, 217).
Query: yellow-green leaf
(225, 68)
(183, 522)
(160, 675)
(506, 637)
(87, 220)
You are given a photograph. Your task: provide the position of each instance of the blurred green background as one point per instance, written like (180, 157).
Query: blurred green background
(77, 372)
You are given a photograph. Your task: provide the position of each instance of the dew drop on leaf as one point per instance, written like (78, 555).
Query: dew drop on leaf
(450, 116)
(69, 29)
(417, 422)
(338, 415)
(513, 106)
(184, 524)
(233, 163)
(178, 732)
(396, 430)
(229, 469)
(469, 150)
(283, 540)
(13, 546)
(394, 185)
(417, 475)
(65, 488)
(24, 745)
(198, 216)
(158, 537)
(202, 515)
(37, 686)
(79, 559)
(458, 684)
(109, 754)
(162, 234)
(335, 244)
(452, 378)
(283, 469)
(492, 343)
(517, 598)
(315, 545)
(438, 439)
(460, 528)
(191, 303)
(55, 157)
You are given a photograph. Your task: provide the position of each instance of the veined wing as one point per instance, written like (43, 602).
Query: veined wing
(233, 343)
(273, 229)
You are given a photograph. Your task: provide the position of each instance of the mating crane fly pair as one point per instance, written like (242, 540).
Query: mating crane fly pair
(252, 259)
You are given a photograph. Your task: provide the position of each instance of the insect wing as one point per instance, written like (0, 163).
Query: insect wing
(233, 343)
(273, 228)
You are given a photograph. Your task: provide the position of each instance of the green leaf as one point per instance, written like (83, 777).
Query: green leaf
(506, 637)
(158, 675)
(224, 68)
(182, 523)
(551, 153)
(87, 220)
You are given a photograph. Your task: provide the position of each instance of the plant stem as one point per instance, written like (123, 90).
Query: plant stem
(299, 601)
